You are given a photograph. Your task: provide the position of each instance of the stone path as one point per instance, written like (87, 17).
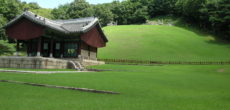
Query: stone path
(41, 72)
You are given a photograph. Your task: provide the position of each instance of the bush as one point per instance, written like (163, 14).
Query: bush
(6, 48)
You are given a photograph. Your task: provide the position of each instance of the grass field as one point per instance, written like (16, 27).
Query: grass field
(162, 43)
(167, 87)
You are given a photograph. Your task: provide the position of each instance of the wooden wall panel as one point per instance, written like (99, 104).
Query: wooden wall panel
(93, 38)
(24, 30)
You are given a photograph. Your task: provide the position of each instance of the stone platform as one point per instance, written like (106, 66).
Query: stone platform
(43, 63)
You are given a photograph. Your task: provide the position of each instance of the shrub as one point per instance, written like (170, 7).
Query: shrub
(6, 48)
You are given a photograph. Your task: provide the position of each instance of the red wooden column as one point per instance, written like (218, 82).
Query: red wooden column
(17, 48)
(39, 47)
(51, 47)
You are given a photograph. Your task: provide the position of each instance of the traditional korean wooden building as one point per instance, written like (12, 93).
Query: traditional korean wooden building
(43, 37)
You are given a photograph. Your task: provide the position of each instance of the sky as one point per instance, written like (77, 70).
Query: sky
(56, 3)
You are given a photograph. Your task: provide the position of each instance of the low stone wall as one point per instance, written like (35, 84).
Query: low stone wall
(43, 63)
(33, 63)
(92, 62)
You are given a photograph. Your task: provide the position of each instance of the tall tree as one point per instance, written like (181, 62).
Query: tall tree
(161, 7)
(219, 16)
(31, 5)
(191, 9)
(10, 8)
(61, 12)
(129, 12)
(79, 8)
(103, 13)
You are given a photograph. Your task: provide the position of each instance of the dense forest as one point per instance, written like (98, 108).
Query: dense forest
(209, 15)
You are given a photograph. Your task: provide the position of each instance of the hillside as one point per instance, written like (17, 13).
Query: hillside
(162, 43)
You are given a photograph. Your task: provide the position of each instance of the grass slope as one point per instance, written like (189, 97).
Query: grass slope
(162, 43)
(172, 87)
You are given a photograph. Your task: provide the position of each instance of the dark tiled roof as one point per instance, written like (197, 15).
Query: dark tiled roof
(65, 26)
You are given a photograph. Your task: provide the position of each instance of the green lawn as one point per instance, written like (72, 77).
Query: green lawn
(166, 87)
(162, 43)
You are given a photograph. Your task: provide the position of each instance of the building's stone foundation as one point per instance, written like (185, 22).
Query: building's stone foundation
(43, 63)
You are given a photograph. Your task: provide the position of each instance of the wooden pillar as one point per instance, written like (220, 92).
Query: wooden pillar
(17, 48)
(62, 49)
(39, 47)
(89, 51)
(79, 49)
(29, 48)
(96, 52)
(51, 47)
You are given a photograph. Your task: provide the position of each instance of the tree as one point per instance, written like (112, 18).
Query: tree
(219, 16)
(2, 31)
(140, 15)
(31, 5)
(103, 13)
(129, 12)
(161, 7)
(191, 9)
(60, 12)
(118, 10)
(79, 8)
(10, 8)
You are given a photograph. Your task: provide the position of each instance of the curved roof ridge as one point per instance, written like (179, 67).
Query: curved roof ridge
(90, 25)
(74, 19)
(78, 20)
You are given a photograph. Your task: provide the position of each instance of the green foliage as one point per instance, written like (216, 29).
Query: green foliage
(31, 5)
(80, 8)
(129, 12)
(6, 48)
(103, 13)
(161, 7)
(60, 12)
(190, 8)
(10, 8)
(162, 43)
(219, 17)
(76, 9)
(43, 12)
(166, 87)
(212, 15)
(2, 31)
(126, 12)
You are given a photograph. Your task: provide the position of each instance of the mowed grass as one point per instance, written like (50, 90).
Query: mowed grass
(162, 43)
(166, 87)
